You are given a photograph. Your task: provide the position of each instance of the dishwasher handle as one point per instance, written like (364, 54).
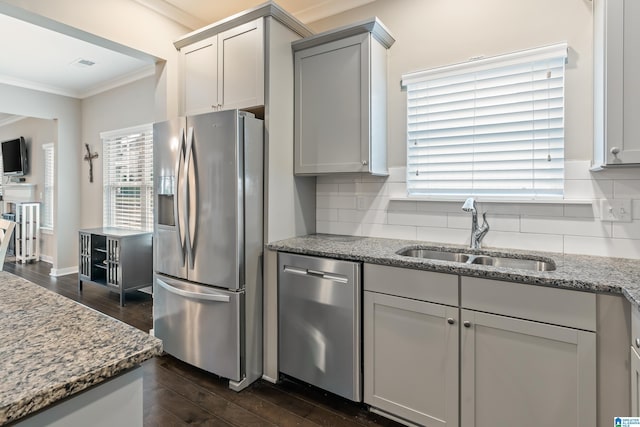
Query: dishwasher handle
(339, 278)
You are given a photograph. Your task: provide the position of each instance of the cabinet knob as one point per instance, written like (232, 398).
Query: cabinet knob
(466, 324)
(615, 151)
(451, 321)
(638, 342)
(365, 163)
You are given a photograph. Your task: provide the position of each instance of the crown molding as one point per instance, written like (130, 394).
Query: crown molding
(173, 13)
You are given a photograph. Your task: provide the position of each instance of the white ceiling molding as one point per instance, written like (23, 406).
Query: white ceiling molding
(7, 119)
(174, 13)
(33, 85)
(327, 8)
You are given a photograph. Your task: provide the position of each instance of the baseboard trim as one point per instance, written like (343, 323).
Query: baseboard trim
(56, 272)
(46, 258)
(268, 378)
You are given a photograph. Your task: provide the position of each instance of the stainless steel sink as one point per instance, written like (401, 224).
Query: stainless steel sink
(517, 263)
(468, 258)
(434, 254)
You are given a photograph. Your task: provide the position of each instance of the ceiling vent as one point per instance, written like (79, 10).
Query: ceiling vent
(83, 63)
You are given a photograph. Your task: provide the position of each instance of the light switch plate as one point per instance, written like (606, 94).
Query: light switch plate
(618, 210)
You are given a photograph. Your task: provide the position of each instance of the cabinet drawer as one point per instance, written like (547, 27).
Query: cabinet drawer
(549, 305)
(416, 284)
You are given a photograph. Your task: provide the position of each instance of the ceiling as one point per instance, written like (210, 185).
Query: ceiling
(49, 56)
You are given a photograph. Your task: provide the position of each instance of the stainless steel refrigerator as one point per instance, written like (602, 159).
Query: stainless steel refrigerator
(208, 240)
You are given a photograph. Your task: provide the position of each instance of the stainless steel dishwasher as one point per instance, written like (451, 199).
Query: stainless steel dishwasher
(319, 323)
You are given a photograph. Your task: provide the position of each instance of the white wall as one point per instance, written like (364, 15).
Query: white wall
(122, 107)
(66, 111)
(36, 133)
(440, 32)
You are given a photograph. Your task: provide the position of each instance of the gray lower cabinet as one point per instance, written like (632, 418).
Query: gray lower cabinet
(524, 373)
(500, 354)
(635, 364)
(410, 359)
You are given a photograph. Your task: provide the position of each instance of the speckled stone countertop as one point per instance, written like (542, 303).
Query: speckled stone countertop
(52, 347)
(578, 272)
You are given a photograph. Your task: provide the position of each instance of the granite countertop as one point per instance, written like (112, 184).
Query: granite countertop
(52, 347)
(578, 272)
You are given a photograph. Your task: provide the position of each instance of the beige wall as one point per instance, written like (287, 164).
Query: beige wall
(122, 107)
(434, 33)
(36, 133)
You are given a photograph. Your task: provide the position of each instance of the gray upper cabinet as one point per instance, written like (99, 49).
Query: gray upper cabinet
(224, 71)
(340, 100)
(617, 88)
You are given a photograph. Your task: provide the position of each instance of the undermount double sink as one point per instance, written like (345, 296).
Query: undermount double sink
(479, 259)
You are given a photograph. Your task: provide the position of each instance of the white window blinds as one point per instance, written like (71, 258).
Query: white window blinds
(47, 196)
(128, 178)
(492, 127)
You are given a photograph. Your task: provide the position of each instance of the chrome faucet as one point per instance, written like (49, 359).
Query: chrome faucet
(477, 233)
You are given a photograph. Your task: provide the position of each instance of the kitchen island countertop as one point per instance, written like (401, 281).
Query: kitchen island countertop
(52, 347)
(578, 272)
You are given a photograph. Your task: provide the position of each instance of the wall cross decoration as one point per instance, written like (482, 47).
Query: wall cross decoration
(89, 157)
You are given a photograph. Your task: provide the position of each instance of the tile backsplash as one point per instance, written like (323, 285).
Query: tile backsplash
(366, 205)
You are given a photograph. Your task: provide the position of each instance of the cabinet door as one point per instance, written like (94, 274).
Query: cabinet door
(200, 76)
(617, 66)
(85, 256)
(332, 94)
(241, 66)
(635, 383)
(529, 374)
(411, 359)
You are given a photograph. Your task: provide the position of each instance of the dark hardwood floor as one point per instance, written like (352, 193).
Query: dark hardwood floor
(177, 394)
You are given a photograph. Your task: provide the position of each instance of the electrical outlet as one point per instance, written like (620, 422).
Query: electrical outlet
(615, 210)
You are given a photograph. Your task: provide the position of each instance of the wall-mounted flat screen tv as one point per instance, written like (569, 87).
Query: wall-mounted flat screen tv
(14, 157)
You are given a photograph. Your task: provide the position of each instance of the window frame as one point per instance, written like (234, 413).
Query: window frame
(137, 161)
(439, 79)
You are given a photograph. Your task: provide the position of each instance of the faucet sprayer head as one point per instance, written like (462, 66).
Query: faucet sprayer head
(469, 205)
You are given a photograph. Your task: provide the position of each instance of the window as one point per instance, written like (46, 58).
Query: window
(128, 178)
(492, 127)
(47, 196)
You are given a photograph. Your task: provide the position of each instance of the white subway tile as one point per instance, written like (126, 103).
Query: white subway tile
(327, 189)
(371, 188)
(336, 202)
(362, 217)
(566, 226)
(338, 178)
(401, 205)
(389, 231)
(422, 219)
(582, 211)
(626, 189)
(450, 236)
(439, 206)
(587, 189)
(626, 230)
(635, 209)
(523, 209)
(618, 248)
(524, 241)
(496, 222)
(326, 215)
(348, 228)
(370, 202)
(374, 178)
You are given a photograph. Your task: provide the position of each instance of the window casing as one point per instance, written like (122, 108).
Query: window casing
(492, 127)
(47, 213)
(128, 178)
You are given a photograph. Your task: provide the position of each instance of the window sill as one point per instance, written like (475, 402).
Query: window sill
(495, 201)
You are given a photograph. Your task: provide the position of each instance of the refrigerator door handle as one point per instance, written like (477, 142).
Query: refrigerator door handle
(187, 202)
(193, 295)
(193, 198)
(176, 202)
